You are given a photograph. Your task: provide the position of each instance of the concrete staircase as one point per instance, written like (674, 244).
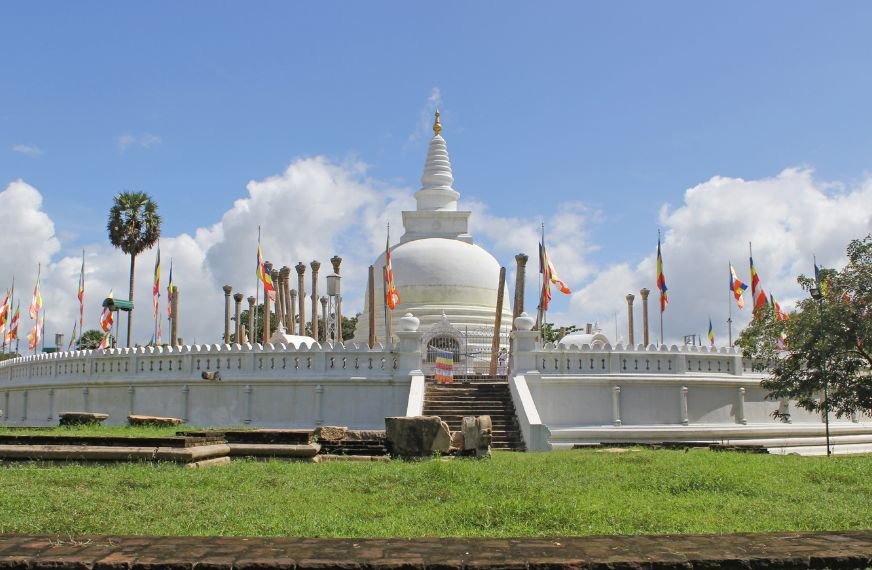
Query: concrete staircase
(451, 402)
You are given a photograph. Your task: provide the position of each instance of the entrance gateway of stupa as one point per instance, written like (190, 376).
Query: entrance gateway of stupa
(582, 391)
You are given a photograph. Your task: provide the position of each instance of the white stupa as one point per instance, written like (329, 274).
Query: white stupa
(442, 277)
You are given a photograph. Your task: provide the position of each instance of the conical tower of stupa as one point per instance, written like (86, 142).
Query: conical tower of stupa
(440, 273)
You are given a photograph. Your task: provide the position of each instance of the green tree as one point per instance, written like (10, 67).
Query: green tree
(91, 339)
(825, 346)
(551, 333)
(134, 226)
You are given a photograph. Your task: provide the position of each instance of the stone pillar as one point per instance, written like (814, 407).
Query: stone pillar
(316, 265)
(227, 290)
(174, 325)
(520, 276)
(292, 318)
(336, 261)
(616, 406)
(266, 307)
(279, 301)
(631, 339)
(238, 314)
(285, 278)
(644, 294)
(370, 291)
(324, 315)
(683, 403)
(251, 310)
(301, 297)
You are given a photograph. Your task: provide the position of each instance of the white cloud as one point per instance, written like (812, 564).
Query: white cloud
(144, 140)
(424, 126)
(788, 218)
(28, 149)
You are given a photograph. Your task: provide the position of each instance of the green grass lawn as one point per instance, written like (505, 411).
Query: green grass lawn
(545, 494)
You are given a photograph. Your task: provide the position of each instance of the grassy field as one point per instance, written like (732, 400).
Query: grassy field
(558, 493)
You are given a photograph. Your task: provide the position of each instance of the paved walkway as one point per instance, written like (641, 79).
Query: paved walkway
(775, 550)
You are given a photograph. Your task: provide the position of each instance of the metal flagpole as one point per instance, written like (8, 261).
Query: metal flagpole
(82, 302)
(660, 259)
(257, 290)
(730, 307)
(385, 287)
(540, 316)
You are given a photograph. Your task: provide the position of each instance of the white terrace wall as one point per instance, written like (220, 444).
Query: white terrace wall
(566, 396)
(262, 386)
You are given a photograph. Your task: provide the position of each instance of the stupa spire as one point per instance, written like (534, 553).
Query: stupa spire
(436, 191)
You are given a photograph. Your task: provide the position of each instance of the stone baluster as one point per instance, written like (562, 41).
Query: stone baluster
(301, 297)
(520, 276)
(227, 290)
(279, 300)
(324, 315)
(631, 339)
(251, 310)
(316, 265)
(336, 261)
(284, 278)
(644, 294)
(237, 298)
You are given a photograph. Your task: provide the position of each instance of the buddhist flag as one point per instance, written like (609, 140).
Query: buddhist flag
(737, 287)
(264, 276)
(170, 287)
(444, 367)
(821, 283)
(13, 325)
(757, 292)
(711, 333)
(35, 333)
(661, 280)
(72, 338)
(4, 314)
(81, 296)
(106, 318)
(549, 277)
(155, 291)
(36, 303)
(104, 342)
(392, 296)
(776, 309)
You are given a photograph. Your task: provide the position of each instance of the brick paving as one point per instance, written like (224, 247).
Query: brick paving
(770, 550)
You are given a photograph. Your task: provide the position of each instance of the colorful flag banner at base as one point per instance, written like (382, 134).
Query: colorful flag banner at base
(444, 367)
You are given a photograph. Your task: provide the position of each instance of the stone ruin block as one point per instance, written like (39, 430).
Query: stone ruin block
(416, 436)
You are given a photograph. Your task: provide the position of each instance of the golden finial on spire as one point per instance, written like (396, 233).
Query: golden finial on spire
(437, 126)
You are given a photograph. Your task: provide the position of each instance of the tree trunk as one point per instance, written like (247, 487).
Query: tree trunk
(130, 298)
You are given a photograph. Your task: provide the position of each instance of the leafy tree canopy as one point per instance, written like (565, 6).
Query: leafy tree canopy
(825, 345)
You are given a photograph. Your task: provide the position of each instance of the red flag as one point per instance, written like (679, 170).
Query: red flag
(392, 296)
(264, 276)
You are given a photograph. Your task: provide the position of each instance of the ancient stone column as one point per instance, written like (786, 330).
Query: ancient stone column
(279, 301)
(644, 293)
(301, 297)
(630, 338)
(227, 290)
(370, 291)
(238, 312)
(174, 326)
(316, 265)
(293, 315)
(251, 310)
(324, 315)
(266, 306)
(336, 261)
(285, 278)
(520, 275)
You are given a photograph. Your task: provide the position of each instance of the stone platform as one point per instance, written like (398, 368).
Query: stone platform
(769, 550)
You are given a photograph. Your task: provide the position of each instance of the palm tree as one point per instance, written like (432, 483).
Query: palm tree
(134, 226)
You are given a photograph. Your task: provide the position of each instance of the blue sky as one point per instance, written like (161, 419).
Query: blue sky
(620, 106)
